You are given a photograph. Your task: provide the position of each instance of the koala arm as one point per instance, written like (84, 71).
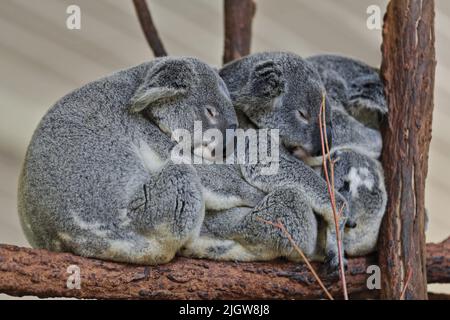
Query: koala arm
(293, 172)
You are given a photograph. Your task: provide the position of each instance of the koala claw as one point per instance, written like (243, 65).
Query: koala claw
(332, 263)
(350, 224)
(267, 80)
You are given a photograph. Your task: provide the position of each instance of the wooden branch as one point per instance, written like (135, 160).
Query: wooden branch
(408, 71)
(41, 273)
(149, 29)
(238, 28)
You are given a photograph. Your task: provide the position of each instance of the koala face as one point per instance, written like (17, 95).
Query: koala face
(186, 94)
(281, 91)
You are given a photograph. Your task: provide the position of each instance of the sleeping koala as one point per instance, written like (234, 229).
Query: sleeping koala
(98, 180)
(358, 103)
(275, 91)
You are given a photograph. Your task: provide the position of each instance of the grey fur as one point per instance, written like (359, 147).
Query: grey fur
(267, 90)
(353, 85)
(97, 178)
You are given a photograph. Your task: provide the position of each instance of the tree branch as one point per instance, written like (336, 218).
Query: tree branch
(147, 25)
(41, 273)
(238, 28)
(408, 71)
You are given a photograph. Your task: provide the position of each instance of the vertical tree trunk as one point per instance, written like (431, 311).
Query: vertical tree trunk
(408, 70)
(238, 28)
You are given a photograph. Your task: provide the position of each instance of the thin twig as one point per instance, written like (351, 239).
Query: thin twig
(330, 185)
(147, 25)
(281, 226)
(408, 279)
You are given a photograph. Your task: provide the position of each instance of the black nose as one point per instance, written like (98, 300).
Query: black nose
(232, 127)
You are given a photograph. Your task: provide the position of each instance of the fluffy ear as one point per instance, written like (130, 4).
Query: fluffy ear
(146, 97)
(266, 80)
(168, 79)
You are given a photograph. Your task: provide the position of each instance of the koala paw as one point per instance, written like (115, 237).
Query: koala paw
(267, 80)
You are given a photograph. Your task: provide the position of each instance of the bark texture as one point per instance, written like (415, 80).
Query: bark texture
(238, 28)
(408, 70)
(41, 273)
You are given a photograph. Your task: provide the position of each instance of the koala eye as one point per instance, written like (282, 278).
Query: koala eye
(302, 116)
(211, 112)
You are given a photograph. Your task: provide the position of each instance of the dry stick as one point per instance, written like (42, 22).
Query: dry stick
(149, 29)
(330, 186)
(281, 226)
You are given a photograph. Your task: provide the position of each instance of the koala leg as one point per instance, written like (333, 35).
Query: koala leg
(243, 234)
(169, 211)
(216, 238)
(164, 213)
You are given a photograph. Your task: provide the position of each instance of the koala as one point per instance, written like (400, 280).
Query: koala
(98, 179)
(275, 91)
(360, 179)
(357, 103)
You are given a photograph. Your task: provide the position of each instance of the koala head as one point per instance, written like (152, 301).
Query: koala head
(353, 85)
(281, 91)
(180, 93)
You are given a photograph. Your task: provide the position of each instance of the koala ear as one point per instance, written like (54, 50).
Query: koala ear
(366, 92)
(168, 79)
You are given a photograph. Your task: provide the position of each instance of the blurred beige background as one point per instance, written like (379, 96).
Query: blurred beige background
(41, 60)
